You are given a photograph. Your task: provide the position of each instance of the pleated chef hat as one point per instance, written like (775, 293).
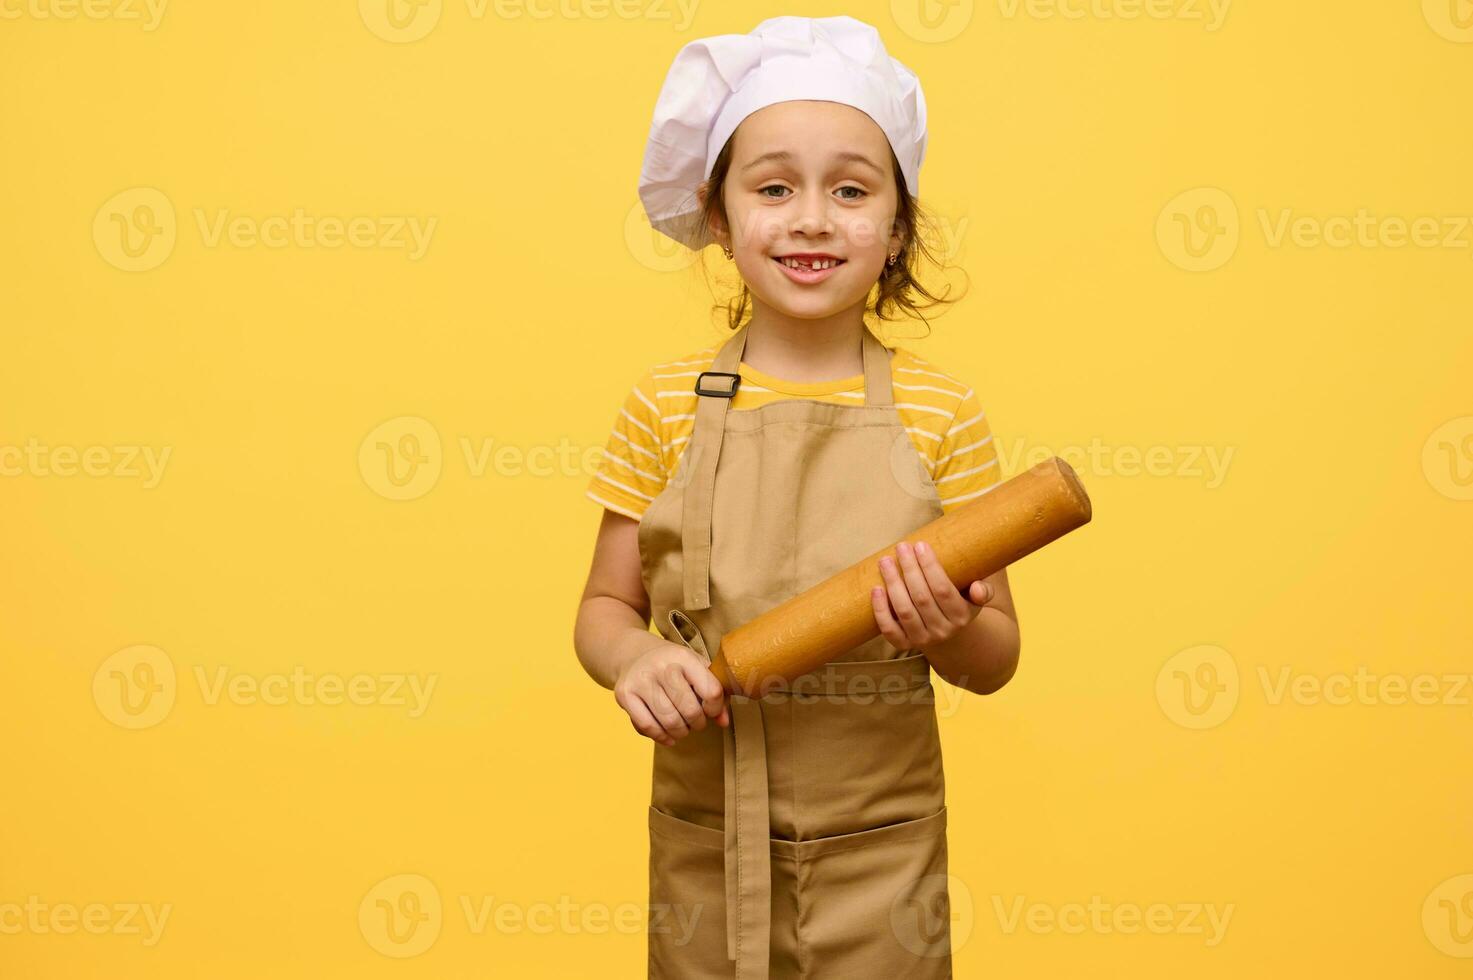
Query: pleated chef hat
(716, 82)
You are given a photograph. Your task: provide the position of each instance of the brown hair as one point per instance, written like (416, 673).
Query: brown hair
(898, 287)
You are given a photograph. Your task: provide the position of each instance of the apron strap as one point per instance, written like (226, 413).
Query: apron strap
(712, 399)
(704, 450)
(877, 387)
(747, 830)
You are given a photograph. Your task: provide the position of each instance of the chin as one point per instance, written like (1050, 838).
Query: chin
(806, 307)
(806, 303)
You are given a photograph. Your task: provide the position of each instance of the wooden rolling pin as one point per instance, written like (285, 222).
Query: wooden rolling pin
(972, 542)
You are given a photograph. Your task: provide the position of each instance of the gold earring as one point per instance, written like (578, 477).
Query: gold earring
(727, 250)
(892, 259)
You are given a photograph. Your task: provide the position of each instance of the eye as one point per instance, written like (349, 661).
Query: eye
(861, 192)
(769, 187)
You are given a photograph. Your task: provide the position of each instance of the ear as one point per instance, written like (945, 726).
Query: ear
(898, 239)
(719, 233)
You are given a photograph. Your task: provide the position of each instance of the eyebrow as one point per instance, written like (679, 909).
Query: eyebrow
(845, 156)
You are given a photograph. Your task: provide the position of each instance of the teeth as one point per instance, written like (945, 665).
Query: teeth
(817, 265)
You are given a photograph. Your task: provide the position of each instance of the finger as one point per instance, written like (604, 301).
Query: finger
(706, 686)
(932, 618)
(889, 628)
(951, 602)
(905, 611)
(644, 721)
(980, 592)
(665, 713)
(678, 690)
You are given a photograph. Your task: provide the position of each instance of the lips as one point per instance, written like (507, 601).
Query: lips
(809, 260)
(808, 268)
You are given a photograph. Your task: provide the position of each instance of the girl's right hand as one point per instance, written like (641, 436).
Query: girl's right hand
(669, 692)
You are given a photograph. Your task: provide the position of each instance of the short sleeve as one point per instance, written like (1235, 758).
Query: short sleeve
(966, 460)
(631, 470)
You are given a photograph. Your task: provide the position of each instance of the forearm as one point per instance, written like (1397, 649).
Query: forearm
(982, 656)
(607, 635)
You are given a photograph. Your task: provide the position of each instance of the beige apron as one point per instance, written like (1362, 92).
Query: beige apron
(809, 838)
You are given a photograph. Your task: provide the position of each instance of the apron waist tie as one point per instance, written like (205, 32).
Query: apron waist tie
(745, 821)
(748, 860)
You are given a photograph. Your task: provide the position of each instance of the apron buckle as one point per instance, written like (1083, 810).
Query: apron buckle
(736, 380)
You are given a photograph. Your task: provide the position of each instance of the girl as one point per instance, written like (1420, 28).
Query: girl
(797, 833)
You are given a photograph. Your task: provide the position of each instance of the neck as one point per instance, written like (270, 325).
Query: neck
(795, 349)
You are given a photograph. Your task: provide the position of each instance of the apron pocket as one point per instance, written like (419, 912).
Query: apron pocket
(875, 903)
(687, 902)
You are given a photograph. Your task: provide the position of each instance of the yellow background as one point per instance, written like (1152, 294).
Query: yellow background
(1061, 145)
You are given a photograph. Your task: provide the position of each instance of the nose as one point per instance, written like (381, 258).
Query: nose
(813, 217)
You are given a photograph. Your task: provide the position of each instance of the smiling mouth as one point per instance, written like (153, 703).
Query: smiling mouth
(807, 265)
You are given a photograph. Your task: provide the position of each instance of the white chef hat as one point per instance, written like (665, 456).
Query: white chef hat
(716, 82)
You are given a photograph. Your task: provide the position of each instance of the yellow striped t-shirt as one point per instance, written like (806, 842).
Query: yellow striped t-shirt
(942, 415)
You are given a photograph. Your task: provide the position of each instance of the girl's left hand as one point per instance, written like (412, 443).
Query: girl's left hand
(927, 608)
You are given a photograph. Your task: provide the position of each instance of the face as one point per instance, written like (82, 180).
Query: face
(811, 200)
